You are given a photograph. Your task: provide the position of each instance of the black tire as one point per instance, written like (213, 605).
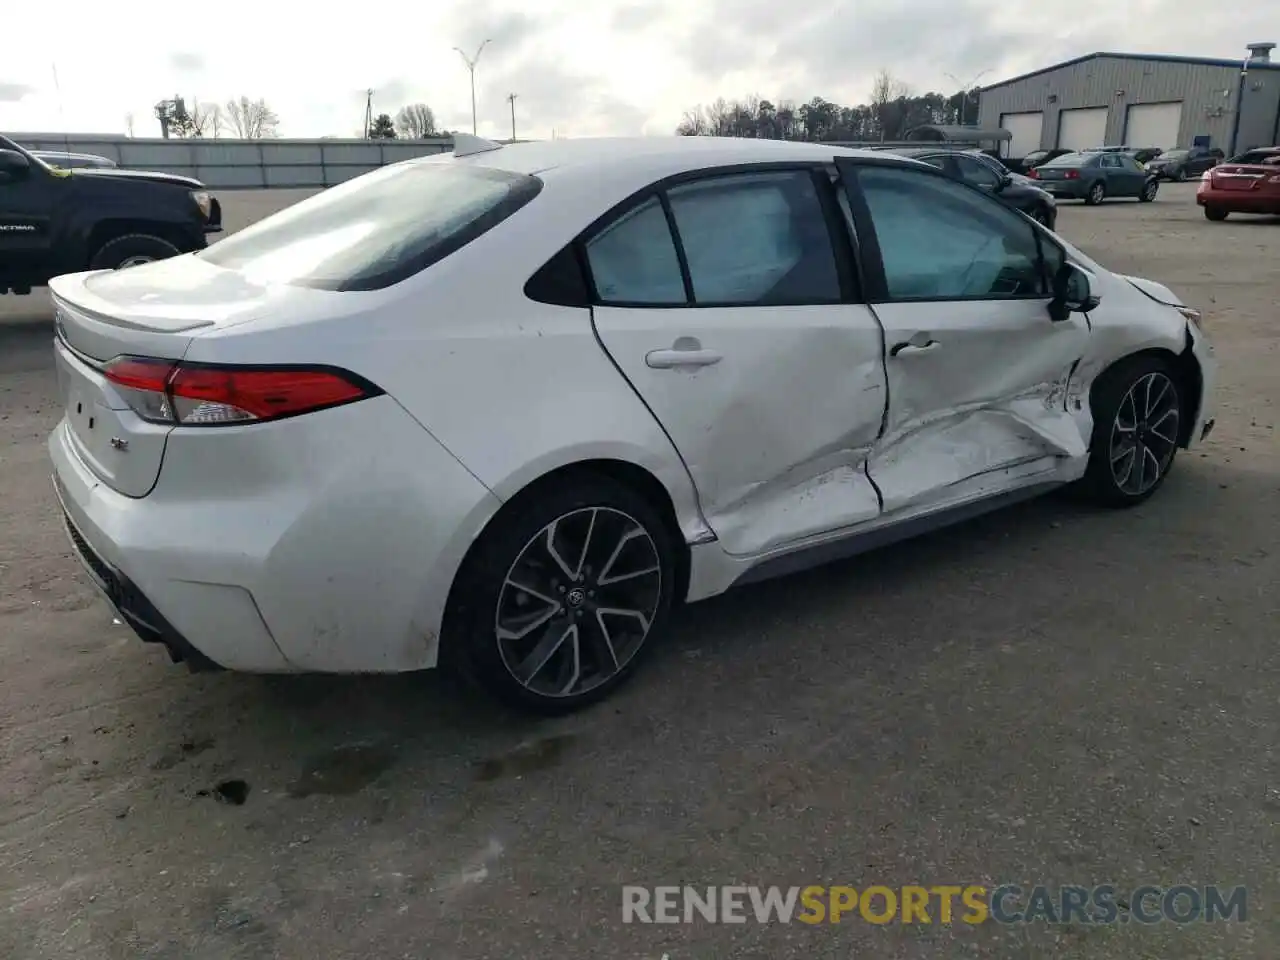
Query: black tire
(1181, 175)
(119, 252)
(1109, 402)
(1216, 214)
(1097, 193)
(1149, 190)
(1042, 216)
(470, 641)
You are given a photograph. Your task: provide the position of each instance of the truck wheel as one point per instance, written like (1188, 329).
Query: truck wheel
(131, 250)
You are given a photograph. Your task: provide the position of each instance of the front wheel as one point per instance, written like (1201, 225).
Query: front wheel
(1216, 214)
(563, 595)
(1137, 423)
(132, 250)
(1097, 193)
(1148, 191)
(1042, 216)
(1181, 175)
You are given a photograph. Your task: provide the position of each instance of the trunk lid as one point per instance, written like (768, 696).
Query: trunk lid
(153, 310)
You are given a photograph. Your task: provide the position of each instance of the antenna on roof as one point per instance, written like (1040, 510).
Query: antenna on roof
(465, 144)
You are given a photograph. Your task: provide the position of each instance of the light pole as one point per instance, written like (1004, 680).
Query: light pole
(471, 68)
(964, 92)
(511, 98)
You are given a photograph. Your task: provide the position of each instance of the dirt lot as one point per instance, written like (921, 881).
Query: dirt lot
(1050, 695)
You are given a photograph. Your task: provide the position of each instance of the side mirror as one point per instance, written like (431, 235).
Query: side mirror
(13, 165)
(1005, 181)
(1072, 293)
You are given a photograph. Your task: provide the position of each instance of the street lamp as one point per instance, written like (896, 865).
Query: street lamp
(964, 91)
(471, 68)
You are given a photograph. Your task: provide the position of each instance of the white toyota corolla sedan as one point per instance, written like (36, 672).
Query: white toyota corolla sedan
(504, 408)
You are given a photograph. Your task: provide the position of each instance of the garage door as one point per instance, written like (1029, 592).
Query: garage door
(1083, 128)
(1024, 130)
(1154, 125)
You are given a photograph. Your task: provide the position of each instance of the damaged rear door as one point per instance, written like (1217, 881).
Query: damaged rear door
(723, 301)
(977, 370)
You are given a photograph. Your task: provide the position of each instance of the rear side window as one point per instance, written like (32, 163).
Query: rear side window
(378, 229)
(756, 239)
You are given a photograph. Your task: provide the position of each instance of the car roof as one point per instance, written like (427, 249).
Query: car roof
(660, 156)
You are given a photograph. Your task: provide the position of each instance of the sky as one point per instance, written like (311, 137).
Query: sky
(584, 68)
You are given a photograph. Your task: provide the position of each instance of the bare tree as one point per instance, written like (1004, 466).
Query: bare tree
(206, 120)
(416, 122)
(251, 119)
(887, 103)
(694, 123)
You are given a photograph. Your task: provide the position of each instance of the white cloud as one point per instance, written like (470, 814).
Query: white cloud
(613, 66)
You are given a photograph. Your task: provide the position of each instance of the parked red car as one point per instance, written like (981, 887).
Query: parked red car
(1248, 183)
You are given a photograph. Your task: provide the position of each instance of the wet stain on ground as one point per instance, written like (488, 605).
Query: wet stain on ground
(526, 758)
(342, 771)
(189, 748)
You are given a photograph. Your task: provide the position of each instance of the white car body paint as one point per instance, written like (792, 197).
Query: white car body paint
(330, 541)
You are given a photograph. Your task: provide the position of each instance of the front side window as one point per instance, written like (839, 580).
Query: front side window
(378, 229)
(941, 240)
(756, 239)
(634, 261)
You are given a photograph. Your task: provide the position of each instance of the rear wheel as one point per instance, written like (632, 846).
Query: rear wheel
(1216, 214)
(559, 602)
(1148, 193)
(132, 250)
(1097, 193)
(1137, 421)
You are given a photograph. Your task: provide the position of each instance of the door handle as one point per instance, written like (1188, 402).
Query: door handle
(685, 352)
(919, 343)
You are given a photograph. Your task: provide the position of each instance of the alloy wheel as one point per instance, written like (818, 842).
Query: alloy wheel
(1097, 192)
(1144, 434)
(135, 261)
(577, 604)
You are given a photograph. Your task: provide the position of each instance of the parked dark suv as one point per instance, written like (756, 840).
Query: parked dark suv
(1185, 164)
(990, 175)
(55, 221)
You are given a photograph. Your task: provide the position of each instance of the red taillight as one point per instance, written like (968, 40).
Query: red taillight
(161, 391)
(1071, 175)
(1032, 175)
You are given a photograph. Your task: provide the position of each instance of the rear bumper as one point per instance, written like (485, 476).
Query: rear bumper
(1237, 201)
(129, 602)
(324, 543)
(1064, 189)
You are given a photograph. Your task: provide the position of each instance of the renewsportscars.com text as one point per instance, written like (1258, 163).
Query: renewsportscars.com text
(942, 904)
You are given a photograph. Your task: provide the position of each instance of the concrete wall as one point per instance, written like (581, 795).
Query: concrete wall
(1208, 93)
(276, 164)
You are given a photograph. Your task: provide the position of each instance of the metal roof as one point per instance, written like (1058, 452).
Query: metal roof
(1238, 62)
(942, 131)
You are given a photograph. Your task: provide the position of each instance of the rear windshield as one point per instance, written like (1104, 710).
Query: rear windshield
(1069, 160)
(1257, 157)
(1173, 154)
(377, 229)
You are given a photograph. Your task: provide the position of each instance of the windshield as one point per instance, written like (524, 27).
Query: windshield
(7, 144)
(377, 229)
(1068, 160)
(1173, 155)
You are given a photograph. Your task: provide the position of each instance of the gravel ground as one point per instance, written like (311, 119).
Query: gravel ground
(1049, 695)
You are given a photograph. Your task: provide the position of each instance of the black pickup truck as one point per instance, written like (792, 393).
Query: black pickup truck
(55, 221)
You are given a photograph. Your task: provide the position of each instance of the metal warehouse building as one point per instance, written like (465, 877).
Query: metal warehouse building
(1139, 100)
